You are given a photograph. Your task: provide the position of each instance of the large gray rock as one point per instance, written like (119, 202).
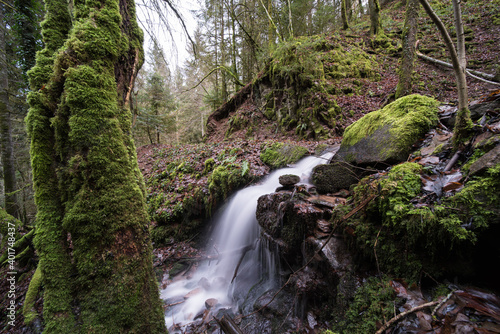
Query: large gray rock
(379, 139)
(489, 160)
(387, 135)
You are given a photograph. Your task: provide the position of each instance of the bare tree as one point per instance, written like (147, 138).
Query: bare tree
(463, 122)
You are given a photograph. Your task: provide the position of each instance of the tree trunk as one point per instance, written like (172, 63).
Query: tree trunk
(374, 17)
(6, 145)
(92, 225)
(407, 60)
(343, 13)
(463, 122)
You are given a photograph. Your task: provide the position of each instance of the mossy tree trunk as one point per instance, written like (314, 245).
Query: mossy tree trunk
(6, 145)
(92, 225)
(408, 57)
(343, 13)
(375, 25)
(463, 123)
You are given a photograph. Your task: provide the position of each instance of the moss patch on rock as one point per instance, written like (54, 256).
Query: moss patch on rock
(387, 135)
(278, 155)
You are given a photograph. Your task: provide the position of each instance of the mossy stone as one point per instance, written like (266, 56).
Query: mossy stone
(387, 135)
(279, 155)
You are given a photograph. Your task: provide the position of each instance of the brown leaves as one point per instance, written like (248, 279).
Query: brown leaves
(443, 183)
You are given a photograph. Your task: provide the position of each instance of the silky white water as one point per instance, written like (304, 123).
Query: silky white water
(235, 231)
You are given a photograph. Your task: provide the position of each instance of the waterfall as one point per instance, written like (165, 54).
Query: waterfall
(240, 254)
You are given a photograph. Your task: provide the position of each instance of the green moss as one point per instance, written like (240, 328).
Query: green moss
(410, 238)
(224, 180)
(89, 191)
(401, 114)
(301, 74)
(209, 166)
(373, 301)
(29, 311)
(278, 155)
(404, 121)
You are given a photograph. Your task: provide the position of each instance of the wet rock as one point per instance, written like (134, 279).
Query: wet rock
(204, 283)
(323, 229)
(330, 178)
(324, 200)
(192, 293)
(479, 108)
(289, 180)
(486, 141)
(210, 303)
(279, 307)
(268, 212)
(336, 253)
(387, 135)
(488, 160)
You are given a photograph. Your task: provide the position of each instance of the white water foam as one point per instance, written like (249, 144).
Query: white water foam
(236, 235)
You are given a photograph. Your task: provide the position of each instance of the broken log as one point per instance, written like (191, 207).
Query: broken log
(227, 324)
(485, 77)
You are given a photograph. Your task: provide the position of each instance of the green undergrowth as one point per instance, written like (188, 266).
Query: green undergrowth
(187, 184)
(306, 74)
(373, 301)
(406, 237)
(278, 154)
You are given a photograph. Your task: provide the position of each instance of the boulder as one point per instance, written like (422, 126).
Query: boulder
(386, 136)
(289, 180)
(333, 177)
(489, 160)
(379, 139)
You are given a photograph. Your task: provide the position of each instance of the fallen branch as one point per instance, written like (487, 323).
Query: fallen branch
(452, 161)
(245, 250)
(227, 324)
(404, 314)
(485, 77)
(441, 303)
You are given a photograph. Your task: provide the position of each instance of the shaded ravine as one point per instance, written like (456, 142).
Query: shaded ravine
(241, 261)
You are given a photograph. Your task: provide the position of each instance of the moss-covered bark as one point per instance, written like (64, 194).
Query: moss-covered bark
(92, 235)
(408, 57)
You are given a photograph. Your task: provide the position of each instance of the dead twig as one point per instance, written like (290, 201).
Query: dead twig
(375, 252)
(245, 251)
(404, 314)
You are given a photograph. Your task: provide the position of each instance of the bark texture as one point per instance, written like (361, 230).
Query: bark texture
(343, 12)
(463, 122)
(92, 232)
(408, 57)
(6, 145)
(375, 24)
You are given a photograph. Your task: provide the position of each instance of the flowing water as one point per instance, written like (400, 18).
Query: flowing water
(241, 261)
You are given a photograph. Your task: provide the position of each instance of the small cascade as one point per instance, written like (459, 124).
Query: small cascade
(243, 266)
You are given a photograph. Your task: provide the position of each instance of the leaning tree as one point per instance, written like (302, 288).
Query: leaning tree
(92, 233)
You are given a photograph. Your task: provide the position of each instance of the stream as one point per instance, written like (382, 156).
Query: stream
(242, 266)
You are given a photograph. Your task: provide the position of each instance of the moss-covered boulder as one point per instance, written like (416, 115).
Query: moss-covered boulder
(380, 138)
(279, 155)
(329, 178)
(387, 135)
